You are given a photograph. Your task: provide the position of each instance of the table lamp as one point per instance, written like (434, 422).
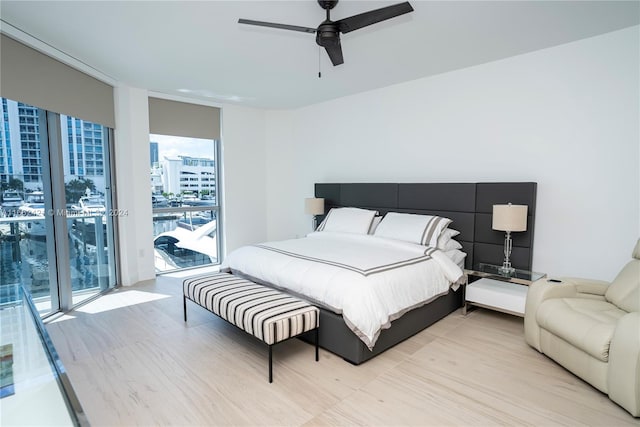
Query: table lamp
(509, 218)
(314, 206)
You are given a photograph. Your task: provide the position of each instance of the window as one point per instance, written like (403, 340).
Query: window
(186, 220)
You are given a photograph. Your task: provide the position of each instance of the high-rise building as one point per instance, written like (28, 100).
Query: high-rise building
(20, 143)
(6, 149)
(154, 158)
(20, 149)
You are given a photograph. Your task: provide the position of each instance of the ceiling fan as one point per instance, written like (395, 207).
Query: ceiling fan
(328, 32)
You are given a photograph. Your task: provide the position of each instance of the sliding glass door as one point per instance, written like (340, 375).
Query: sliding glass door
(90, 214)
(56, 213)
(27, 239)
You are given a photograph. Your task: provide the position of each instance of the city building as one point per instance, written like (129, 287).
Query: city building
(156, 180)
(20, 149)
(20, 156)
(83, 150)
(153, 153)
(183, 174)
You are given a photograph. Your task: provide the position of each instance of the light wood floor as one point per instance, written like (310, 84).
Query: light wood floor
(133, 361)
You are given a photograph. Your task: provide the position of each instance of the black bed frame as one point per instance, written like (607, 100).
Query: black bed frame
(470, 207)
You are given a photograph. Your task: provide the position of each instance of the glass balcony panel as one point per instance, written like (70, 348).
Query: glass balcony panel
(91, 270)
(185, 238)
(34, 387)
(24, 261)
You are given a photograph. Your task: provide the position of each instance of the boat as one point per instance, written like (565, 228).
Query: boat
(93, 205)
(159, 201)
(182, 248)
(88, 230)
(11, 201)
(34, 197)
(33, 211)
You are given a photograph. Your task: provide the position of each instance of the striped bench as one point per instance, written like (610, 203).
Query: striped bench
(268, 314)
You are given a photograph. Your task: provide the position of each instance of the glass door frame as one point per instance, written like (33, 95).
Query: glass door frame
(60, 229)
(55, 201)
(52, 245)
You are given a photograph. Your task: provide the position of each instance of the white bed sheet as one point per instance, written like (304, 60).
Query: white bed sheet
(370, 280)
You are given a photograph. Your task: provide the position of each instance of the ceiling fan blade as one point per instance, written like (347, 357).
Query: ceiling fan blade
(335, 53)
(374, 16)
(279, 26)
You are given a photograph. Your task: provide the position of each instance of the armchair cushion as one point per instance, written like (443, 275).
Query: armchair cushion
(588, 287)
(623, 291)
(587, 324)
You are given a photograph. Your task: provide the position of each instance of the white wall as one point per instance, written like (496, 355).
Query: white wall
(243, 180)
(565, 117)
(131, 143)
(243, 170)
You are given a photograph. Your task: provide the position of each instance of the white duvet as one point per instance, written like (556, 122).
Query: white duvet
(369, 280)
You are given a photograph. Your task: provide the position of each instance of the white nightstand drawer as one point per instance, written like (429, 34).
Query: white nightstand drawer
(503, 296)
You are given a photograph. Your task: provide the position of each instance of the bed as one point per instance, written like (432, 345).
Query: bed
(346, 274)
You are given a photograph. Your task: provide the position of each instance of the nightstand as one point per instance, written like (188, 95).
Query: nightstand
(498, 291)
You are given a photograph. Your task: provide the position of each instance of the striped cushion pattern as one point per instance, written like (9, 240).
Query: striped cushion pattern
(266, 313)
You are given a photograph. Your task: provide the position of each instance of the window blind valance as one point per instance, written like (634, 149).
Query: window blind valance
(29, 76)
(183, 119)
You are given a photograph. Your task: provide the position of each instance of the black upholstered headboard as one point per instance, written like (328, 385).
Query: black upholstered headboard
(469, 205)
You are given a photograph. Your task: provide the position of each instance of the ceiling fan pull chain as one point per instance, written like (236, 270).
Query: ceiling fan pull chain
(319, 72)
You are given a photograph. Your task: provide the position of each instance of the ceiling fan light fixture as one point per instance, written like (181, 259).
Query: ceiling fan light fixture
(328, 32)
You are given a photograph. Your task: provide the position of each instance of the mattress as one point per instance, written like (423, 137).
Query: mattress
(369, 280)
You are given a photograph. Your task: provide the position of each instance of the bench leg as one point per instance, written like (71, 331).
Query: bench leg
(270, 365)
(184, 306)
(317, 334)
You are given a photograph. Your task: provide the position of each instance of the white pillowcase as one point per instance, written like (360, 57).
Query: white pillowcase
(450, 245)
(420, 229)
(348, 220)
(445, 241)
(457, 256)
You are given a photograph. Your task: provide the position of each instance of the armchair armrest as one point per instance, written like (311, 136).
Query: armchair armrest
(538, 292)
(590, 287)
(623, 375)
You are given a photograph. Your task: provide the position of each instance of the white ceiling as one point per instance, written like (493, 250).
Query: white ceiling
(197, 48)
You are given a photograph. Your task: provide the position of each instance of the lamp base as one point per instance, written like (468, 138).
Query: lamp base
(507, 270)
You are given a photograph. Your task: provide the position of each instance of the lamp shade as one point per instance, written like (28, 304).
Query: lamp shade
(314, 206)
(510, 217)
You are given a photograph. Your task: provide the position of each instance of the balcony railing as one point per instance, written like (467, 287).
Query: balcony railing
(185, 237)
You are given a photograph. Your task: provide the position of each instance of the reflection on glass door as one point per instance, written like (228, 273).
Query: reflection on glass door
(27, 247)
(56, 216)
(89, 211)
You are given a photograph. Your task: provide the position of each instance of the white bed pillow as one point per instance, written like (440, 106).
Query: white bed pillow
(348, 220)
(451, 245)
(446, 242)
(420, 229)
(457, 256)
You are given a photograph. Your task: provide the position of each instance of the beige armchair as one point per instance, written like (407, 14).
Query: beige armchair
(592, 328)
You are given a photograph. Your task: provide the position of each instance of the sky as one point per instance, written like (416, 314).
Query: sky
(173, 146)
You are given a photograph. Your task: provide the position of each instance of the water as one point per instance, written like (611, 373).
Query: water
(24, 262)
